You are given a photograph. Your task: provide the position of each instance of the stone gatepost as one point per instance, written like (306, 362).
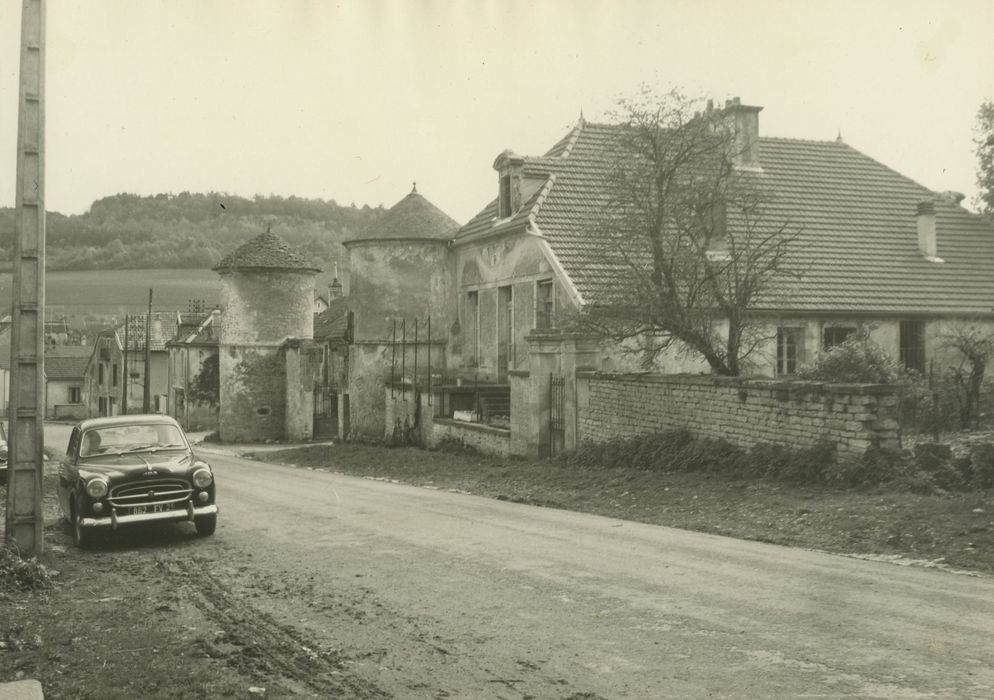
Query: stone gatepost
(303, 366)
(579, 352)
(550, 352)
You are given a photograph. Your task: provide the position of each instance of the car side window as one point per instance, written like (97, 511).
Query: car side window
(73, 443)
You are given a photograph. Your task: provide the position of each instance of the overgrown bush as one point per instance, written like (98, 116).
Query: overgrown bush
(22, 574)
(857, 360)
(929, 471)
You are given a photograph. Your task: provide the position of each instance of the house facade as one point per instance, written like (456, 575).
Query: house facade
(66, 395)
(104, 379)
(877, 255)
(163, 326)
(195, 343)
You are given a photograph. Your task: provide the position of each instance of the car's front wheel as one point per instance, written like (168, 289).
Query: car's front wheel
(206, 525)
(81, 536)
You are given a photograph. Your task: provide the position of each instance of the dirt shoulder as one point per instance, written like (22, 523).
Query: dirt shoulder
(954, 530)
(152, 612)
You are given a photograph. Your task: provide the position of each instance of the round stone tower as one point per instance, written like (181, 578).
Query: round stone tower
(400, 269)
(267, 297)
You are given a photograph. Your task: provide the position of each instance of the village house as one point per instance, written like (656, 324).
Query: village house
(449, 332)
(881, 256)
(104, 379)
(195, 343)
(164, 326)
(65, 381)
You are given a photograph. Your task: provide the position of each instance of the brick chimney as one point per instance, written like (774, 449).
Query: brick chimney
(925, 217)
(744, 120)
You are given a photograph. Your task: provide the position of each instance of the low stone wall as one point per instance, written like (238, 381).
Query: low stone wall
(486, 439)
(428, 430)
(743, 411)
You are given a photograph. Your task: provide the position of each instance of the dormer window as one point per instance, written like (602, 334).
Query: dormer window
(505, 196)
(508, 165)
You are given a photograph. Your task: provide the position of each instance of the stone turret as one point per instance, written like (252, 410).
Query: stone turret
(267, 292)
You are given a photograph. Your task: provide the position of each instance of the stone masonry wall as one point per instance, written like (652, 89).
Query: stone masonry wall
(743, 411)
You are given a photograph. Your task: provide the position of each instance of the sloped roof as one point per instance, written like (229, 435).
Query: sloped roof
(65, 362)
(333, 322)
(266, 251)
(412, 217)
(203, 332)
(858, 241)
(164, 327)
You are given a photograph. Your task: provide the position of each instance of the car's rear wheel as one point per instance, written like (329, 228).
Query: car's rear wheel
(81, 536)
(206, 525)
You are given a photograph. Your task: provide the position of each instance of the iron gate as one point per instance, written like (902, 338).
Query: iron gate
(557, 419)
(325, 412)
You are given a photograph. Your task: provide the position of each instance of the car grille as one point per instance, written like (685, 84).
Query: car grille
(149, 492)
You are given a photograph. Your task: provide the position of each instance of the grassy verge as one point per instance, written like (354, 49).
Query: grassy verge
(955, 530)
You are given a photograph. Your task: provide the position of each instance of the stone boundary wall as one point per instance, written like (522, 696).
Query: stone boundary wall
(743, 411)
(401, 412)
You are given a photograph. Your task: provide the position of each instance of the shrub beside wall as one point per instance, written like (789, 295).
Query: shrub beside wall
(746, 412)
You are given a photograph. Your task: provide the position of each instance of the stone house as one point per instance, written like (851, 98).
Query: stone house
(164, 326)
(881, 255)
(104, 382)
(195, 343)
(66, 381)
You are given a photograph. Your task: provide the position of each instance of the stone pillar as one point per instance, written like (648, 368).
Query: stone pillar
(579, 352)
(544, 354)
(299, 415)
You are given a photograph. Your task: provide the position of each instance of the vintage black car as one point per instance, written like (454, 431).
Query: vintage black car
(131, 469)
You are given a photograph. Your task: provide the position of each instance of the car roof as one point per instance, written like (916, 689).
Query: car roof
(130, 419)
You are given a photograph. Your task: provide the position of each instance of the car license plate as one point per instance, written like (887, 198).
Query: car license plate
(154, 508)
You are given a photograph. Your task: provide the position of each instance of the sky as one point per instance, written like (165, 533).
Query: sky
(354, 101)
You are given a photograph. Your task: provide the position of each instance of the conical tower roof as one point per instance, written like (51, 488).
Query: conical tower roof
(413, 217)
(266, 251)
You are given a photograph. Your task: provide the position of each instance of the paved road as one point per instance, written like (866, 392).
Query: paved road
(441, 594)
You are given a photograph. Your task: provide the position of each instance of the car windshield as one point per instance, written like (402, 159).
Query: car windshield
(119, 439)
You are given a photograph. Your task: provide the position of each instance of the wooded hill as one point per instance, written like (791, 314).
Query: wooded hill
(188, 230)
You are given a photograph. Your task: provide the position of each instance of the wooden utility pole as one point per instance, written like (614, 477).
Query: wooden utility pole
(147, 400)
(24, 521)
(127, 376)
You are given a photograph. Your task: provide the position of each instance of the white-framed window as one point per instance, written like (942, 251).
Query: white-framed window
(790, 349)
(545, 304)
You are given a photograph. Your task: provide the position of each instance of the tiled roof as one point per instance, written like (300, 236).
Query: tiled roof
(164, 326)
(413, 217)
(63, 362)
(204, 332)
(266, 251)
(857, 246)
(333, 322)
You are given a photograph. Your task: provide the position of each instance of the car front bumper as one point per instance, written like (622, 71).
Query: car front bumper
(114, 520)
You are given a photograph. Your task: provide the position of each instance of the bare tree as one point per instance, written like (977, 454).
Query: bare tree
(984, 141)
(975, 346)
(685, 234)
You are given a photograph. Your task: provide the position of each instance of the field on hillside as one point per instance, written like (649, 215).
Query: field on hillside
(82, 294)
(121, 291)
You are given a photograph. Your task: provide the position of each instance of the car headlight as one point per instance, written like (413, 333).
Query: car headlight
(96, 488)
(202, 478)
